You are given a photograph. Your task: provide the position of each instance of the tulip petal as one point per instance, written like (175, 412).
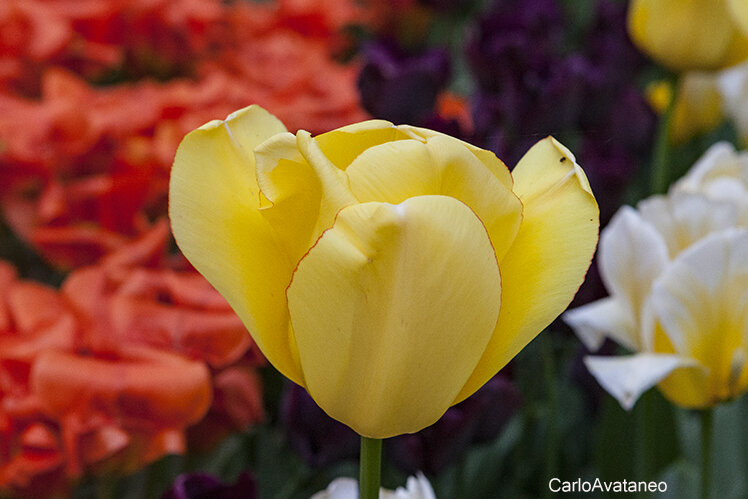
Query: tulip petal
(605, 318)
(632, 254)
(659, 27)
(733, 85)
(304, 188)
(336, 194)
(214, 206)
(417, 487)
(489, 159)
(739, 11)
(721, 174)
(294, 192)
(698, 106)
(720, 160)
(343, 145)
(683, 218)
(396, 171)
(387, 298)
(170, 389)
(701, 301)
(340, 488)
(626, 378)
(549, 258)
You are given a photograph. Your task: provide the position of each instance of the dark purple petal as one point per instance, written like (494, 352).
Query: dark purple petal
(514, 37)
(448, 126)
(315, 436)
(536, 79)
(447, 5)
(496, 403)
(205, 486)
(478, 419)
(402, 87)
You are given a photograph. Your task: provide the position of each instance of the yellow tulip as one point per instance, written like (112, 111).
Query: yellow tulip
(389, 270)
(698, 104)
(691, 34)
(676, 271)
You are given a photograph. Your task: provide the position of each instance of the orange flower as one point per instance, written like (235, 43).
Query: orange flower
(126, 301)
(110, 373)
(149, 38)
(65, 409)
(71, 184)
(32, 319)
(139, 296)
(142, 396)
(83, 173)
(295, 78)
(32, 33)
(315, 18)
(451, 106)
(93, 38)
(237, 404)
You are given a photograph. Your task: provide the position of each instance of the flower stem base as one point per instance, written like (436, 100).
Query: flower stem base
(706, 452)
(370, 470)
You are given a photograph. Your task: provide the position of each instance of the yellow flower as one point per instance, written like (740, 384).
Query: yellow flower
(691, 34)
(389, 270)
(698, 104)
(676, 272)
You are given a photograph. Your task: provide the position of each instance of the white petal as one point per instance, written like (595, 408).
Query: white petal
(728, 189)
(702, 299)
(603, 318)
(632, 254)
(733, 85)
(340, 488)
(626, 378)
(719, 161)
(684, 218)
(417, 487)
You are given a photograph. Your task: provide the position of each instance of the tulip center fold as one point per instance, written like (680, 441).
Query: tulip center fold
(392, 309)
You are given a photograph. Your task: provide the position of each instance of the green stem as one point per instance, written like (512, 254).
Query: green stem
(370, 470)
(552, 449)
(660, 179)
(645, 439)
(706, 451)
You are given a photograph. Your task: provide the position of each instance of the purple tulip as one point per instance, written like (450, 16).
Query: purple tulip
(206, 486)
(533, 82)
(478, 419)
(315, 436)
(399, 86)
(592, 391)
(447, 5)
(515, 38)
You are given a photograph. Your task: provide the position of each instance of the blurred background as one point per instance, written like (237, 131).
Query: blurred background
(121, 369)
